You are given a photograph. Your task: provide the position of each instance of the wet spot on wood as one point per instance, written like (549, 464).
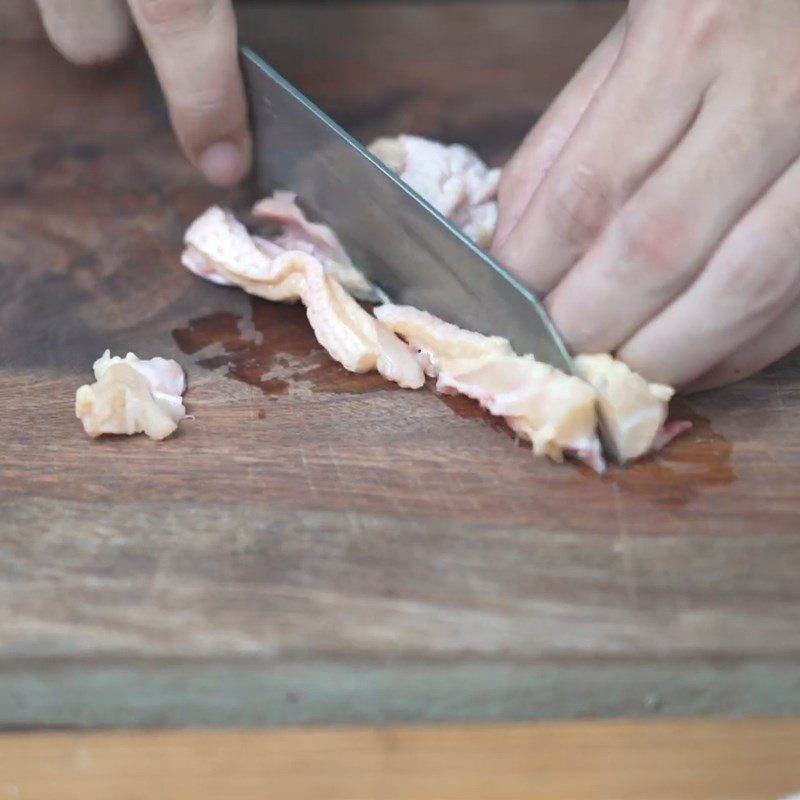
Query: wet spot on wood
(698, 460)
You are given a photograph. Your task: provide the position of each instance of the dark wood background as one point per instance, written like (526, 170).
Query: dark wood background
(318, 546)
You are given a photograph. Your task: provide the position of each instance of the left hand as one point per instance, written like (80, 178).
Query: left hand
(657, 203)
(193, 46)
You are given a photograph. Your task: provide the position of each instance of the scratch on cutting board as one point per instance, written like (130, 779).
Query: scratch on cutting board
(163, 557)
(337, 472)
(354, 521)
(783, 416)
(624, 546)
(252, 480)
(308, 473)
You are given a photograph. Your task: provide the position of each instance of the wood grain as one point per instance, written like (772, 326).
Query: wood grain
(746, 760)
(316, 546)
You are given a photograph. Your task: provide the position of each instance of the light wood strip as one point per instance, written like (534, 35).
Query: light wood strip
(713, 760)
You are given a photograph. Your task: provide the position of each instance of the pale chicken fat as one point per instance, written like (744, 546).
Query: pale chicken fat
(635, 410)
(554, 411)
(131, 396)
(452, 178)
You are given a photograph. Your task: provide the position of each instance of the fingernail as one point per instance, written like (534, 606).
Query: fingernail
(224, 164)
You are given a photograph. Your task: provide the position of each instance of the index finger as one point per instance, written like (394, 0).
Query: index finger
(193, 46)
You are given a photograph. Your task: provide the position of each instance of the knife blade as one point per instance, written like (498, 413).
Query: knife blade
(403, 245)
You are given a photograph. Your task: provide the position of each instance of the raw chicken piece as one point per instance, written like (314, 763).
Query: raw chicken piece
(132, 396)
(218, 246)
(635, 410)
(306, 261)
(554, 411)
(452, 178)
(438, 339)
(314, 238)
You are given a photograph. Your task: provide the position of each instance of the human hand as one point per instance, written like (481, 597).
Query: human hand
(657, 203)
(194, 50)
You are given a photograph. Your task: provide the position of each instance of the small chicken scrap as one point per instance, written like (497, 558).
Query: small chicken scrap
(132, 396)
(305, 261)
(635, 410)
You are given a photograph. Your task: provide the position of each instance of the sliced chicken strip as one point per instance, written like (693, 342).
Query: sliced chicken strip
(554, 411)
(314, 238)
(132, 396)
(218, 245)
(440, 339)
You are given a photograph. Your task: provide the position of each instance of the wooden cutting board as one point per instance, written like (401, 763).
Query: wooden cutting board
(320, 546)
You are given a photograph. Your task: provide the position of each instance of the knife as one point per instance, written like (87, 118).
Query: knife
(401, 243)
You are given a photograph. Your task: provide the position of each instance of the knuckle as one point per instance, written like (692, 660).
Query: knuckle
(511, 184)
(655, 243)
(703, 22)
(785, 86)
(579, 205)
(791, 229)
(738, 140)
(174, 15)
(768, 285)
(198, 106)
